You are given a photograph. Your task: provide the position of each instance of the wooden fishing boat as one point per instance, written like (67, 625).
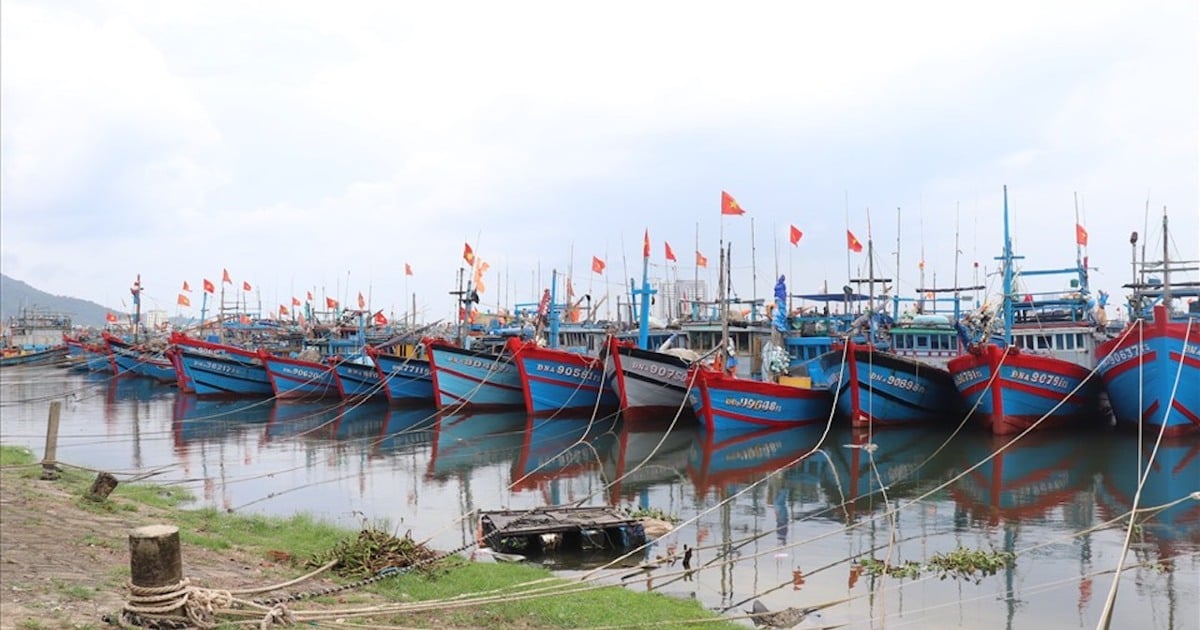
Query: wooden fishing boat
(221, 370)
(1151, 368)
(1038, 374)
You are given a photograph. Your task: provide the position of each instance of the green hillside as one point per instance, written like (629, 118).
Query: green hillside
(15, 295)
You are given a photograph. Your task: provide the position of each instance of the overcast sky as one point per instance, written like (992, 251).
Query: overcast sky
(322, 146)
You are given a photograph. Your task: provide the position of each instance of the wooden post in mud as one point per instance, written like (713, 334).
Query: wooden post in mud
(103, 486)
(154, 556)
(49, 460)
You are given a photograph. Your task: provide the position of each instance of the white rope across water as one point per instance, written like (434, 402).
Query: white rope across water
(1143, 474)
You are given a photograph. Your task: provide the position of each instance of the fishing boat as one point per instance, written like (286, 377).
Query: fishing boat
(95, 355)
(1150, 369)
(649, 384)
(474, 380)
(221, 370)
(19, 356)
(357, 378)
(649, 375)
(726, 402)
(304, 377)
(404, 370)
(555, 380)
(140, 360)
(34, 336)
(897, 377)
(1038, 374)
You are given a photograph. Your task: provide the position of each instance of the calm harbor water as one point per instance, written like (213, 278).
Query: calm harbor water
(753, 506)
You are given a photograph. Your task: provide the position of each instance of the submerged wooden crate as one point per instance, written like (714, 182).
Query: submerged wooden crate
(550, 529)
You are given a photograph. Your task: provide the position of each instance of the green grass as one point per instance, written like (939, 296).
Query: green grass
(75, 591)
(596, 607)
(300, 537)
(15, 456)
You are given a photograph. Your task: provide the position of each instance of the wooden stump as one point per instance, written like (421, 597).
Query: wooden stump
(101, 487)
(49, 463)
(154, 556)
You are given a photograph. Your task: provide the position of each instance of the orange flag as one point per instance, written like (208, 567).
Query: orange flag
(380, 320)
(670, 254)
(407, 269)
(729, 205)
(1080, 235)
(111, 318)
(468, 254)
(209, 287)
(361, 302)
(186, 287)
(245, 286)
(183, 300)
(646, 245)
(283, 310)
(701, 261)
(331, 303)
(225, 279)
(308, 295)
(852, 242)
(295, 301)
(597, 265)
(794, 235)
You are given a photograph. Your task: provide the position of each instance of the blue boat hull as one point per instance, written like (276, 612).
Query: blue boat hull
(1150, 373)
(356, 381)
(726, 403)
(292, 378)
(409, 381)
(881, 389)
(555, 380)
(468, 380)
(225, 375)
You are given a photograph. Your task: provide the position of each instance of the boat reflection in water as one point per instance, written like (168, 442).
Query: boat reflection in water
(1172, 532)
(559, 449)
(196, 419)
(463, 441)
(293, 419)
(406, 429)
(726, 458)
(1026, 479)
(646, 454)
(855, 466)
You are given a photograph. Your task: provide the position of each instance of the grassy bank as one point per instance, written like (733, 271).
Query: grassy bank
(275, 549)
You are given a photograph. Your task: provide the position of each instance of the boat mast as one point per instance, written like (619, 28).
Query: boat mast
(137, 306)
(896, 297)
(753, 275)
(644, 306)
(1166, 296)
(1007, 259)
(1079, 261)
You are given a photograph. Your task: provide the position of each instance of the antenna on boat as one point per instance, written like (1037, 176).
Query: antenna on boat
(1166, 296)
(753, 274)
(957, 253)
(1007, 259)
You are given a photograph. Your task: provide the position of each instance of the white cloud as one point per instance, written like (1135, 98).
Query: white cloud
(294, 143)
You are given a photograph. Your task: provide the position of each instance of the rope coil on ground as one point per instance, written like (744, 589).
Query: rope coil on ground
(180, 603)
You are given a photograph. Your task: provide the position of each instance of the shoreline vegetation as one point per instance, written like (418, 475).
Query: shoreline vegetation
(66, 565)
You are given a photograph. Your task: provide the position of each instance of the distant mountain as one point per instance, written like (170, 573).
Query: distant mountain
(15, 295)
